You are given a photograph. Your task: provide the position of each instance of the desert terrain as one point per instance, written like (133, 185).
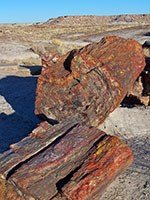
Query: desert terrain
(21, 47)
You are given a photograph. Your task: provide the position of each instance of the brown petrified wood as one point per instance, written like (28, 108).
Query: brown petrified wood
(62, 159)
(89, 82)
(140, 91)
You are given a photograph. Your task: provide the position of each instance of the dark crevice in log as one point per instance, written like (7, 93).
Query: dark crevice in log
(61, 183)
(82, 177)
(15, 168)
(60, 137)
(49, 120)
(67, 62)
(146, 81)
(86, 107)
(100, 140)
(130, 102)
(78, 80)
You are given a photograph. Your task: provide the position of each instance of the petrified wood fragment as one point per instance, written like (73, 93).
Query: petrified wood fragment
(65, 158)
(140, 91)
(89, 82)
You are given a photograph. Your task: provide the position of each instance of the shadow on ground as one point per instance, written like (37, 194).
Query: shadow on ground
(34, 70)
(19, 93)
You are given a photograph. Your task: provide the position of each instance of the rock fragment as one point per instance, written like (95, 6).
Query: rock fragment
(140, 91)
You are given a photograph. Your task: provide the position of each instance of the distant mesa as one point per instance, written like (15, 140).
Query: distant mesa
(96, 20)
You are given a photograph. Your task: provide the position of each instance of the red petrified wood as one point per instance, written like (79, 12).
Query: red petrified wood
(68, 158)
(110, 158)
(89, 82)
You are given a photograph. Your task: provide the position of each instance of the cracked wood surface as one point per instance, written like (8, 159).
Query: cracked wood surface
(90, 82)
(76, 151)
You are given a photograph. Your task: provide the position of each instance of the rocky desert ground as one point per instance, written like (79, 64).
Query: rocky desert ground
(21, 47)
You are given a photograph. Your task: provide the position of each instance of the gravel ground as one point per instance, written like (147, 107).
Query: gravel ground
(13, 52)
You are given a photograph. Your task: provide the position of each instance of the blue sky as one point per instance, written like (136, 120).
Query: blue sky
(12, 11)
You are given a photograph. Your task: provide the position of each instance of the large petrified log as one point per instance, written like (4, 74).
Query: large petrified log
(89, 82)
(66, 159)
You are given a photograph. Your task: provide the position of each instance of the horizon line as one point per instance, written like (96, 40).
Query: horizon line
(59, 16)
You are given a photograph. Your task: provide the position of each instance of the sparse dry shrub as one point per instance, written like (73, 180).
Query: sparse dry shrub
(64, 46)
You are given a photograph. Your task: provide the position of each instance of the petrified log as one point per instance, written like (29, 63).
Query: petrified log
(90, 82)
(66, 159)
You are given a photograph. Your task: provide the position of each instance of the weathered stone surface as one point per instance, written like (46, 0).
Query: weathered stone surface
(36, 167)
(89, 82)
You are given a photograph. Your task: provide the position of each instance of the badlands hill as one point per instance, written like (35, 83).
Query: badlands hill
(97, 20)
